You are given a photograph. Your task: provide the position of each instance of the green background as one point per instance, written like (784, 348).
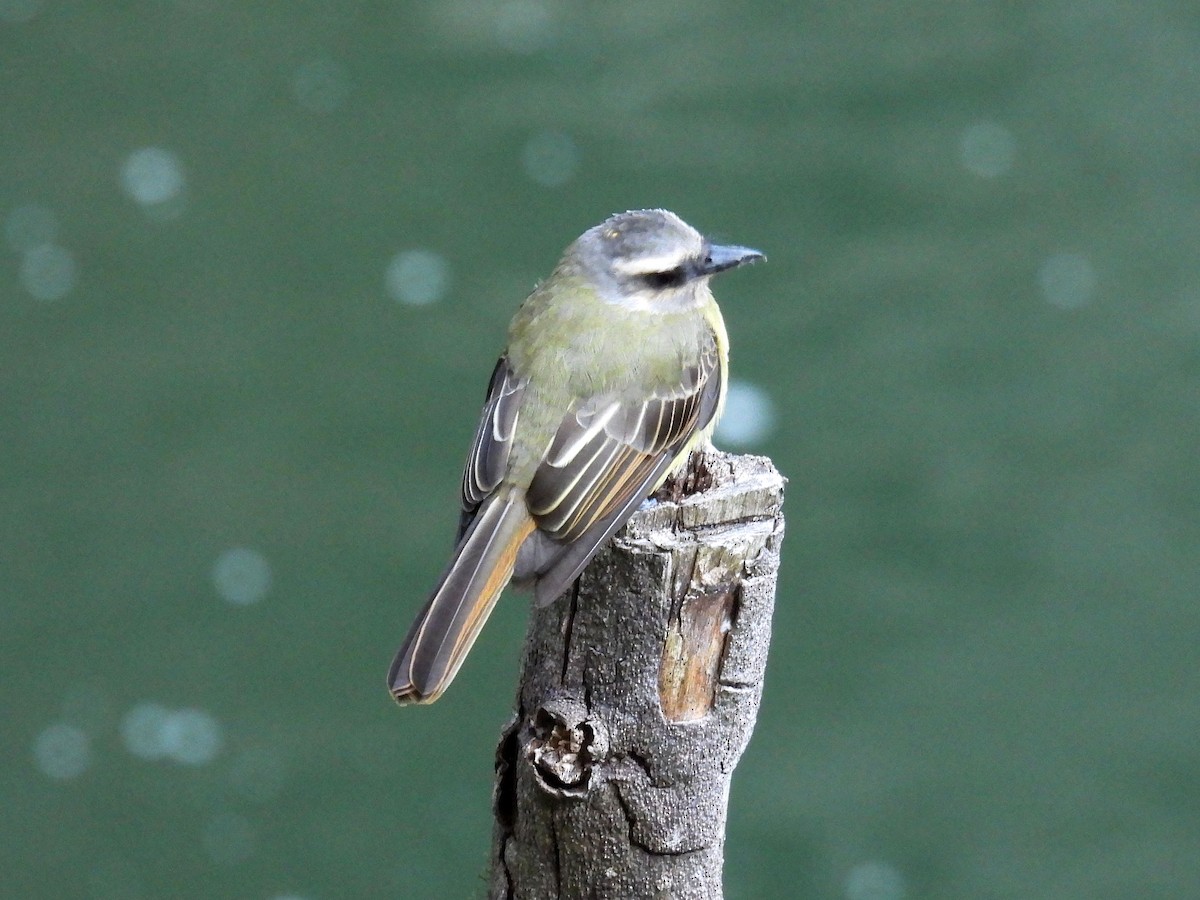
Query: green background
(978, 333)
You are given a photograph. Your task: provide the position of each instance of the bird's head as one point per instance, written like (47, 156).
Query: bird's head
(651, 258)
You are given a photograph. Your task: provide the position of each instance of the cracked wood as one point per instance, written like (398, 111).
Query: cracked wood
(638, 694)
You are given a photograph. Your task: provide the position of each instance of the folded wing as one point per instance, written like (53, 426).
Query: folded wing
(607, 456)
(488, 458)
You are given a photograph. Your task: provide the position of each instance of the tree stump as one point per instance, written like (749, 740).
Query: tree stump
(638, 694)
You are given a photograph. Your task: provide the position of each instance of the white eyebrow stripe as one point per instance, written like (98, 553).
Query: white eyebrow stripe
(644, 265)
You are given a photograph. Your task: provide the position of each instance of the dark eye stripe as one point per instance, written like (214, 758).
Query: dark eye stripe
(670, 278)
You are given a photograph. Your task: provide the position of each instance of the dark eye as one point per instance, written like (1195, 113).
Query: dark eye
(668, 279)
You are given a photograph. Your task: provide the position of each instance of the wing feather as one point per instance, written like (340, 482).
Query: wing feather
(488, 458)
(567, 444)
(608, 487)
(554, 562)
(608, 453)
(581, 467)
(589, 472)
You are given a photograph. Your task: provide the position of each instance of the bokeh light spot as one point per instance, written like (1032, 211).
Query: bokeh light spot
(417, 277)
(242, 576)
(874, 880)
(987, 149)
(749, 415)
(550, 158)
(1067, 280)
(62, 752)
(143, 728)
(48, 272)
(153, 177)
(320, 85)
(29, 226)
(191, 736)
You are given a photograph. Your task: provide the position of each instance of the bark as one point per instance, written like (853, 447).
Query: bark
(638, 694)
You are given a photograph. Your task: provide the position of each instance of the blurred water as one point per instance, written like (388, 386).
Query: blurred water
(231, 455)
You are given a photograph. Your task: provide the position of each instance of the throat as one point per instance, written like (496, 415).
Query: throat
(686, 298)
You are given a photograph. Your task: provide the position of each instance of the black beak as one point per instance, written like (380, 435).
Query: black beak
(720, 258)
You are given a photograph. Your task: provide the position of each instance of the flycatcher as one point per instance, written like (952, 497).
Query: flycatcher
(616, 367)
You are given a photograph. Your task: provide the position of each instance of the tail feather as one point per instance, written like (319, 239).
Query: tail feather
(453, 615)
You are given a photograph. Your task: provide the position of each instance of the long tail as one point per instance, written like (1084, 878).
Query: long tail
(452, 617)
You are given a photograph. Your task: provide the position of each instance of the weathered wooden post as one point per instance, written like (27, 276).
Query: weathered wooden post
(638, 694)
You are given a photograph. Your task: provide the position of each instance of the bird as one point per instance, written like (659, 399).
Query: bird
(615, 369)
